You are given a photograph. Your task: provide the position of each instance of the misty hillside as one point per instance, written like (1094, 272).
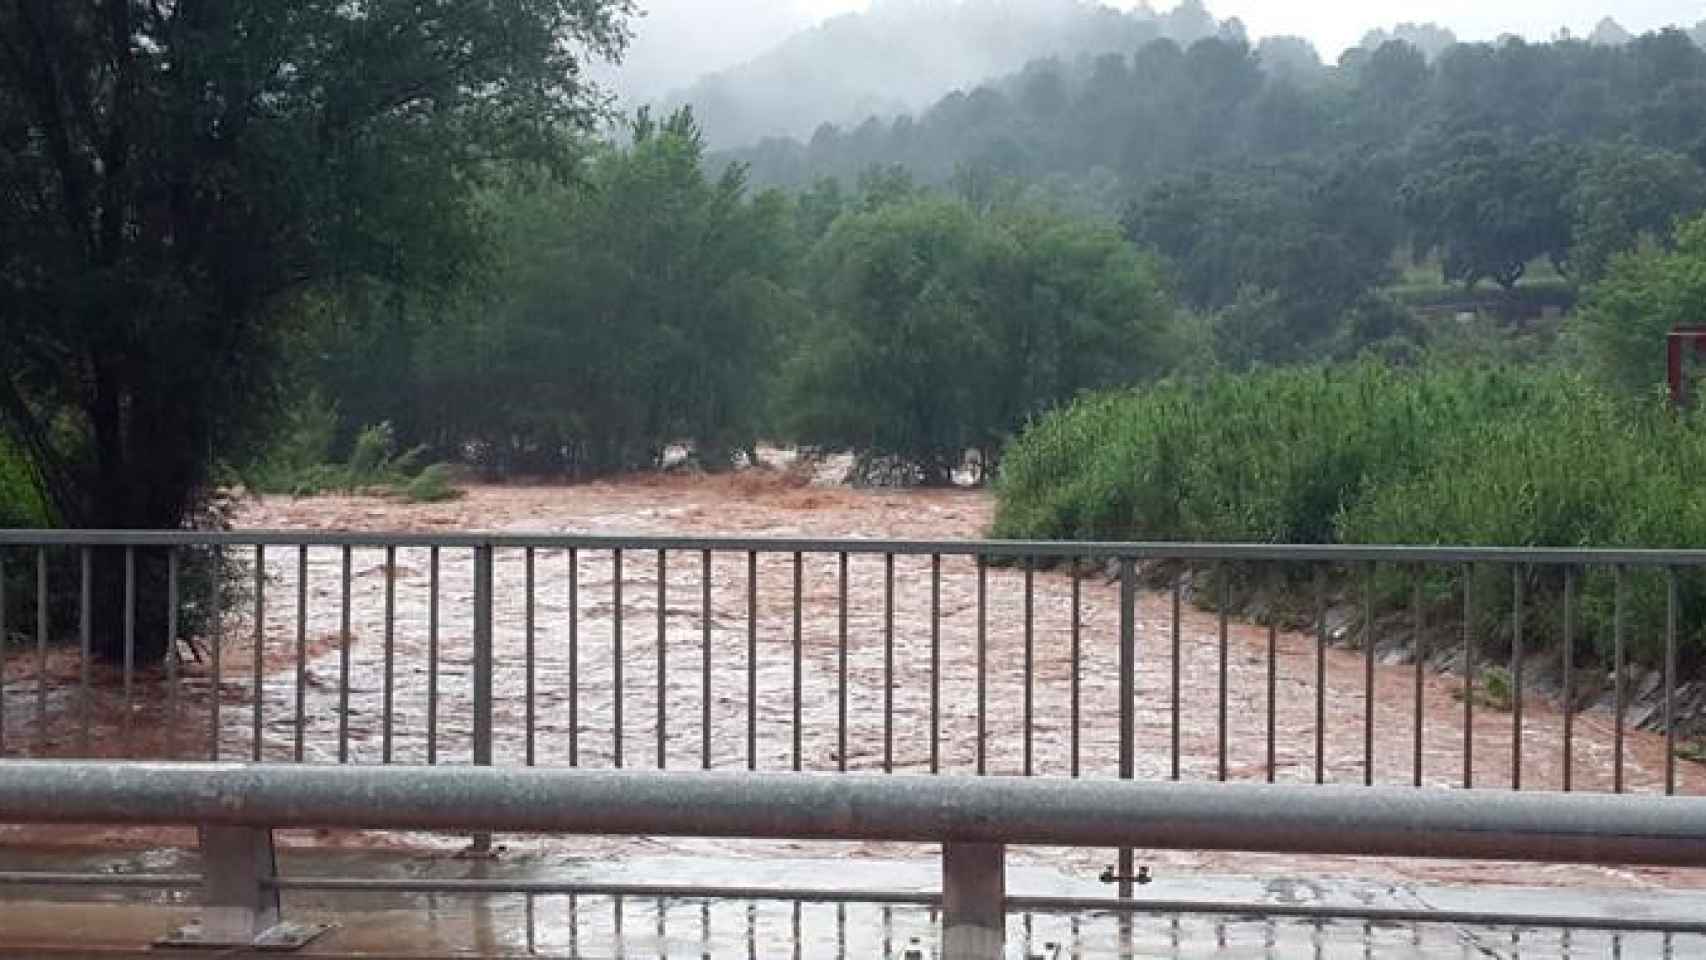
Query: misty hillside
(1098, 129)
(904, 54)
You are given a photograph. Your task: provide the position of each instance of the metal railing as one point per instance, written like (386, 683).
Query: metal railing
(473, 647)
(975, 819)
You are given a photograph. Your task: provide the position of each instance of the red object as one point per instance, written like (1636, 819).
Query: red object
(1678, 341)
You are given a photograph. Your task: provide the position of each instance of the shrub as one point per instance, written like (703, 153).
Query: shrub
(297, 467)
(1438, 456)
(432, 485)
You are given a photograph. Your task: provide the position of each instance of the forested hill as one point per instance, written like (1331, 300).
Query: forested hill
(1103, 127)
(902, 55)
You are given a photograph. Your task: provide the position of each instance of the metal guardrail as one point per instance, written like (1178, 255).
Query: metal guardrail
(1247, 818)
(237, 807)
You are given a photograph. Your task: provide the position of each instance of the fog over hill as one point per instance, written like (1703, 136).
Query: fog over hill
(902, 55)
(764, 68)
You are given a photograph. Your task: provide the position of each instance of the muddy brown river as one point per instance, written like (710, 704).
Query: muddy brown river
(888, 694)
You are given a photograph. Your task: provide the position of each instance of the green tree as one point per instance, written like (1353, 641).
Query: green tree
(178, 175)
(640, 310)
(940, 330)
(1285, 251)
(1491, 206)
(1627, 195)
(1643, 296)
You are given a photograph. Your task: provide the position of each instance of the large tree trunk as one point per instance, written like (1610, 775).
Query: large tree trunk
(144, 474)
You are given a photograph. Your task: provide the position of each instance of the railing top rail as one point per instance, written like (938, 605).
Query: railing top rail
(1292, 819)
(994, 549)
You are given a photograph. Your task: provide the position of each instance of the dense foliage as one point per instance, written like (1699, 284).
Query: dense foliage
(648, 309)
(1455, 456)
(178, 177)
(1167, 107)
(939, 330)
(632, 309)
(1281, 191)
(1642, 298)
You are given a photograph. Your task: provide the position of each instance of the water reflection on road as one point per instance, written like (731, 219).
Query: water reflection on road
(667, 929)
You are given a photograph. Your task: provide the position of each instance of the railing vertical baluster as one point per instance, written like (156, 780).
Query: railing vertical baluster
(982, 665)
(299, 734)
(1671, 602)
(485, 560)
(1177, 630)
(530, 656)
(1224, 603)
(888, 663)
(86, 637)
(171, 653)
(1030, 663)
(1320, 674)
(1128, 704)
(345, 641)
(1368, 644)
(1468, 676)
(574, 657)
(1274, 581)
(1516, 676)
(1569, 670)
(216, 606)
(752, 660)
(130, 650)
(41, 650)
(388, 710)
(935, 663)
(799, 658)
(260, 666)
(841, 664)
(616, 664)
(1077, 667)
(1619, 639)
(574, 926)
(705, 659)
(432, 655)
(1418, 626)
(663, 659)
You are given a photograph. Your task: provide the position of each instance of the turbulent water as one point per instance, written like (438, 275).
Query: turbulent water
(889, 721)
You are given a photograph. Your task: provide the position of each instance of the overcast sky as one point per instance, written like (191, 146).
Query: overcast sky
(678, 40)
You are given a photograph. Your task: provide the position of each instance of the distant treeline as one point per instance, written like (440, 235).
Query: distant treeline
(1484, 157)
(1167, 108)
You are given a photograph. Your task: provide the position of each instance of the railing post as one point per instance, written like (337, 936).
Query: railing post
(237, 862)
(482, 672)
(974, 901)
(1128, 696)
(240, 904)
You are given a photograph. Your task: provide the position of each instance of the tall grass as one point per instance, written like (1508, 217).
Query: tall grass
(1366, 454)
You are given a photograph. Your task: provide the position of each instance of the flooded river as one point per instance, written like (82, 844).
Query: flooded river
(889, 691)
